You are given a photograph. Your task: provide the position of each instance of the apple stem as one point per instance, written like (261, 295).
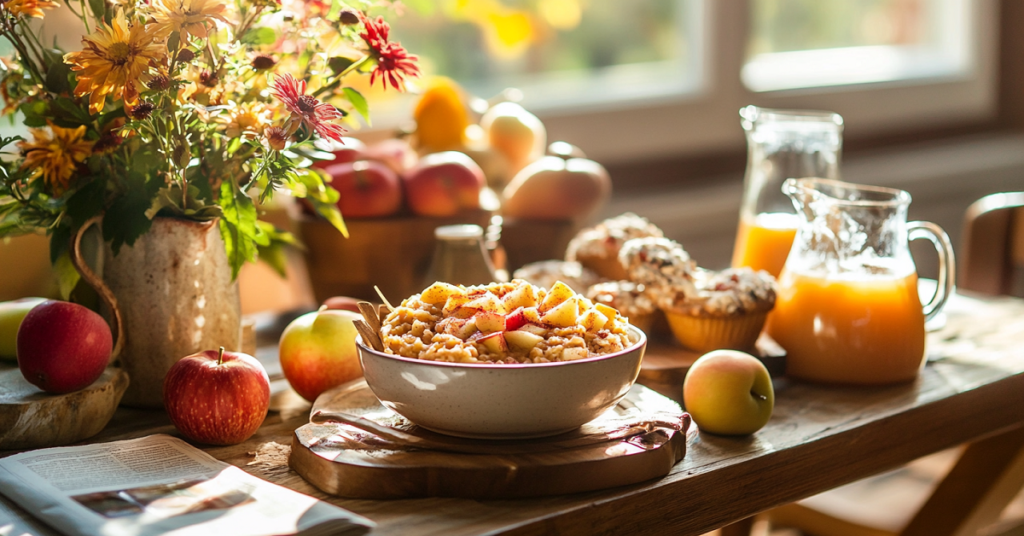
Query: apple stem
(322, 309)
(220, 356)
(759, 396)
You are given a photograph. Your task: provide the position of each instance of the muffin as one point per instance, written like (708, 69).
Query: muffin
(545, 273)
(728, 310)
(630, 299)
(597, 248)
(662, 266)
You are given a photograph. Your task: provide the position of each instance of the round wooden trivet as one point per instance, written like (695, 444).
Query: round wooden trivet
(346, 461)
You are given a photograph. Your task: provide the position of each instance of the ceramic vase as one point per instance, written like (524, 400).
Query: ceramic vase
(173, 292)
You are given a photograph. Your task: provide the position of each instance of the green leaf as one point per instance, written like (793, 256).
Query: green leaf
(338, 64)
(57, 77)
(98, 7)
(87, 202)
(238, 227)
(67, 275)
(260, 36)
(35, 113)
(358, 102)
(60, 242)
(125, 220)
(173, 41)
(72, 111)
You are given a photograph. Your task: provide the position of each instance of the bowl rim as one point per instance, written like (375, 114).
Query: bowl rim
(640, 343)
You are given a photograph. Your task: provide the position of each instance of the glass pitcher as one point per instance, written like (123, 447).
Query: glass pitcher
(781, 144)
(848, 309)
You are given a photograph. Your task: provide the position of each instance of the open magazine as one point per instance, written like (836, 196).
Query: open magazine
(160, 485)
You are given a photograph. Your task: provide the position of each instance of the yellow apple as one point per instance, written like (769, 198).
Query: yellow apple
(728, 392)
(318, 351)
(11, 315)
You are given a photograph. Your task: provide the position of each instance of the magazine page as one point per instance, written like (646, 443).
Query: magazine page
(160, 485)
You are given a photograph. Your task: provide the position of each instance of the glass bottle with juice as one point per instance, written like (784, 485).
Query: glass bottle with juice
(781, 144)
(847, 309)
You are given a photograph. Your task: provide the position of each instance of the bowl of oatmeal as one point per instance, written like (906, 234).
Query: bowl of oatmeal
(502, 361)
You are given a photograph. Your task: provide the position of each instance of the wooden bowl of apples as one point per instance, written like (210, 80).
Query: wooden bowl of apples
(392, 202)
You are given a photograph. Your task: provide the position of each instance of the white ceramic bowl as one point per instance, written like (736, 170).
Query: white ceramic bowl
(502, 401)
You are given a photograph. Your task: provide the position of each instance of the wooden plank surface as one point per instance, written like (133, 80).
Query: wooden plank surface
(818, 438)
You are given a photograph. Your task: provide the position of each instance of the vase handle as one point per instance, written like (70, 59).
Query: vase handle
(98, 285)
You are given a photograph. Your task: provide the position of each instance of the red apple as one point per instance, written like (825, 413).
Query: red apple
(443, 184)
(368, 189)
(217, 397)
(318, 351)
(343, 303)
(394, 153)
(62, 346)
(346, 151)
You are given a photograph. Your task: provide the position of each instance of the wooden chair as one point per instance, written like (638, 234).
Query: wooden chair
(992, 256)
(980, 479)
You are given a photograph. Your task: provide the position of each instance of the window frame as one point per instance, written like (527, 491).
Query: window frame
(707, 121)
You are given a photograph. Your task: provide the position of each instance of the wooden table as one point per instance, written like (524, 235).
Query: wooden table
(819, 438)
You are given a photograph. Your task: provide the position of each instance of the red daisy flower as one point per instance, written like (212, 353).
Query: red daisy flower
(313, 113)
(394, 63)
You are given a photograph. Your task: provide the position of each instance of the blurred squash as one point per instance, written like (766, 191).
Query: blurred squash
(441, 117)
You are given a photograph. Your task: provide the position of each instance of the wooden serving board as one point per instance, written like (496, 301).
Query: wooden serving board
(346, 461)
(667, 362)
(31, 418)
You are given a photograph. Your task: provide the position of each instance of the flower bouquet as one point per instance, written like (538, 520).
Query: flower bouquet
(193, 109)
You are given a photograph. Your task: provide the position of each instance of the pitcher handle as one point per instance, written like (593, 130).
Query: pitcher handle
(947, 264)
(98, 285)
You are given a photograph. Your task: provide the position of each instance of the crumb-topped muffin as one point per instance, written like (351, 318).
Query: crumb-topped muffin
(662, 266)
(503, 323)
(627, 298)
(597, 248)
(544, 274)
(728, 310)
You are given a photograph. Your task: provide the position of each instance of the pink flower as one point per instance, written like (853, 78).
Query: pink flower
(313, 113)
(394, 63)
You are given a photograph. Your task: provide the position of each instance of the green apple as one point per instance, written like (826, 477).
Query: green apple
(728, 392)
(11, 315)
(318, 351)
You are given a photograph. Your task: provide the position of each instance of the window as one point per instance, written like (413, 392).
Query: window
(559, 52)
(612, 78)
(809, 43)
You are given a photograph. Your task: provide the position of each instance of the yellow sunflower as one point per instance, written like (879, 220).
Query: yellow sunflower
(29, 8)
(54, 153)
(114, 62)
(188, 17)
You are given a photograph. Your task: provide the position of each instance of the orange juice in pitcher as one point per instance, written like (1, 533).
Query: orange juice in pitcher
(781, 144)
(763, 241)
(847, 308)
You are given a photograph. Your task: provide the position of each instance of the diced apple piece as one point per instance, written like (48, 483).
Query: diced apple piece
(488, 302)
(559, 293)
(531, 314)
(467, 329)
(562, 315)
(572, 354)
(488, 321)
(536, 329)
(522, 296)
(494, 343)
(584, 304)
(439, 292)
(522, 340)
(454, 302)
(609, 312)
(465, 311)
(593, 321)
(515, 320)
